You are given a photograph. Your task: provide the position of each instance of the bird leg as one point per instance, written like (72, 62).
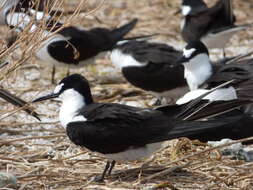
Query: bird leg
(68, 72)
(111, 167)
(158, 102)
(100, 178)
(53, 75)
(224, 53)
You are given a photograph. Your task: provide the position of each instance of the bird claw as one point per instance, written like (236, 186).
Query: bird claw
(98, 179)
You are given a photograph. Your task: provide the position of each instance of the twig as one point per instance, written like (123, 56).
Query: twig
(3, 142)
(209, 149)
(165, 172)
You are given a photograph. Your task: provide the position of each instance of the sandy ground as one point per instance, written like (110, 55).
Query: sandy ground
(41, 156)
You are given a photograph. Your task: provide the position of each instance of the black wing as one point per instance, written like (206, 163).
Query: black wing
(146, 52)
(239, 72)
(82, 45)
(160, 71)
(211, 20)
(113, 128)
(17, 102)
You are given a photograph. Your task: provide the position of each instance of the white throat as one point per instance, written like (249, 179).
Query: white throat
(72, 102)
(197, 71)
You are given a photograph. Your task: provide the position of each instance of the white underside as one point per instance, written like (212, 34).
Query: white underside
(219, 40)
(44, 56)
(219, 94)
(121, 60)
(136, 153)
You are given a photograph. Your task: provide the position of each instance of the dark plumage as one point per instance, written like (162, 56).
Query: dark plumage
(214, 26)
(4, 94)
(78, 44)
(126, 133)
(152, 67)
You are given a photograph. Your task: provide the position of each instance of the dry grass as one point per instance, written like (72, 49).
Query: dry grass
(41, 156)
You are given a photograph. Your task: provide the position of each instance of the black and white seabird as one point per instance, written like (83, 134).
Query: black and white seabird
(201, 75)
(125, 133)
(72, 45)
(213, 26)
(152, 67)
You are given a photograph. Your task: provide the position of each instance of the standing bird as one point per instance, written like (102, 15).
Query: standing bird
(213, 26)
(126, 133)
(200, 73)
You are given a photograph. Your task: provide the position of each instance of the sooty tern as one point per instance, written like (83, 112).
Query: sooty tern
(213, 26)
(72, 45)
(152, 67)
(200, 73)
(126, 133)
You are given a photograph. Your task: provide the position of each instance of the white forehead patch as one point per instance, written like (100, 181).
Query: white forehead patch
(186, 10)
(188, 52)
(58, 88)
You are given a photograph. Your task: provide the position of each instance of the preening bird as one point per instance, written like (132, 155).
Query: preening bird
(152, 67)
(126, 133)
(201, 75)
(72, 45)
(213, 26)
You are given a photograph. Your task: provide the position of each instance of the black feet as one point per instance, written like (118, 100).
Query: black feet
(158, 102)
(53, 76)
(108, 167)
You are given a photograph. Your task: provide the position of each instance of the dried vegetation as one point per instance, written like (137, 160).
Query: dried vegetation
(40, 155)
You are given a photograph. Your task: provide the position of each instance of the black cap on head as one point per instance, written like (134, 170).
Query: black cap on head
(194, 3)
(79, 84)
(76, 82)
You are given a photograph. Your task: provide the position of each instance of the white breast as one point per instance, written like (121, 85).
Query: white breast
(197, 71)
(135, 153)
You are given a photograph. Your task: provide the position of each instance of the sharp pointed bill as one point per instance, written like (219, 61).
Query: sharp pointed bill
(125, 133)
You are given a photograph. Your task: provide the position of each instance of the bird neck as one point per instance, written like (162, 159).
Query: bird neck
(72, 102)
(197, 71)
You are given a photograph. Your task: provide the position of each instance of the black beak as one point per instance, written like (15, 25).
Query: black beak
(47, 97)
(182, 59)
